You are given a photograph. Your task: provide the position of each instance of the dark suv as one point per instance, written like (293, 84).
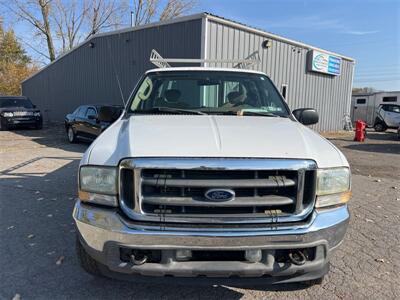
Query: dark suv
(19, 111)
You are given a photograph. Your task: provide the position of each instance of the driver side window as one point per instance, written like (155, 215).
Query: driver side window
(395, 109)
(90, 111)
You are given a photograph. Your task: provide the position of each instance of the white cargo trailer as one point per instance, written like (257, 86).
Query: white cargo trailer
(364, 106)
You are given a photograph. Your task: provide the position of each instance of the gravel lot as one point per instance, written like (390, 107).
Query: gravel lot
(37, 236)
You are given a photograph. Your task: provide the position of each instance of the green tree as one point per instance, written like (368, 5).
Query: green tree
(15, 65)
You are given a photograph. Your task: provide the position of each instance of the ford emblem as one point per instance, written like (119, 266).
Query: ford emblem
(219, 195)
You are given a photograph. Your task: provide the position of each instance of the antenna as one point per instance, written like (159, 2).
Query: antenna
(115, 72)
(159, 61)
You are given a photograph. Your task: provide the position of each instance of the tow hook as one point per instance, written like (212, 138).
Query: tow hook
(138, 261)
(297, 257)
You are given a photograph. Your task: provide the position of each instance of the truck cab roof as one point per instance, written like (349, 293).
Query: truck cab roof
(204, 69)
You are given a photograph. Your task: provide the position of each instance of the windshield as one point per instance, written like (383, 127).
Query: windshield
(210, 92)
(16, 102)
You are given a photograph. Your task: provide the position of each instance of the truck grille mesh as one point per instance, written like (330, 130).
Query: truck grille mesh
(180, 194)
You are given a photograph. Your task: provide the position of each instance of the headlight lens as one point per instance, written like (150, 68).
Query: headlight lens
(333, 187)
(98, 185)
(8, 114)
(36, 114)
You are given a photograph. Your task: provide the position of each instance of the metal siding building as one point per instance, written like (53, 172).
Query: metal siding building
(92, 72)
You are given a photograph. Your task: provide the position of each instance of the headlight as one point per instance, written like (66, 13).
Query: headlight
(8, 114)
(36, 114)
(98, 185)
(333, 187)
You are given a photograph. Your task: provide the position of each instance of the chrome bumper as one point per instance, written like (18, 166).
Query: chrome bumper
(103, 231)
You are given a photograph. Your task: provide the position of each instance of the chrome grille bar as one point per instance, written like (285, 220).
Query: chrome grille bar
(237, 202)
(272, 182)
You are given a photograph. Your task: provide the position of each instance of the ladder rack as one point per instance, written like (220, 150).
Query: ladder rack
(161, 62)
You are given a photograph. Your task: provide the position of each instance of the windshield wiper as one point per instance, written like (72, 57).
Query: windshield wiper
(171, 110)
(252, 113)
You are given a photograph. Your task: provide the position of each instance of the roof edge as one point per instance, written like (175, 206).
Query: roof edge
(120, 31)
(374, 93)
(201, 15)
(271, 35)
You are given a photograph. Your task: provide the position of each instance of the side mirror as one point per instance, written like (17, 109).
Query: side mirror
(106, 114)
(306, 116)
(33, 105)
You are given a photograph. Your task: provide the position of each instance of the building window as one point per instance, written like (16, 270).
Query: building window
(284, 90)
(361, 101)
(389, 99)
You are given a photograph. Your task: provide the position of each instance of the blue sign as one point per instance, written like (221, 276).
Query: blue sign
(325, 63)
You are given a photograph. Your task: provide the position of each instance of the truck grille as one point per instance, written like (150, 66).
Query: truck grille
(270, 191)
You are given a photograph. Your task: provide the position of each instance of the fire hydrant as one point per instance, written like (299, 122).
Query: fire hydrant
(360, 131)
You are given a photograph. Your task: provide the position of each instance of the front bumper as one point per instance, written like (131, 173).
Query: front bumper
(21, 121)
(103, 231)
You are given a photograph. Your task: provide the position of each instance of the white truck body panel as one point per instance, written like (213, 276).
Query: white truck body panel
(213, 137)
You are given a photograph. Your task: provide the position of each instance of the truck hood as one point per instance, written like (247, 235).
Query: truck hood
(211, 136)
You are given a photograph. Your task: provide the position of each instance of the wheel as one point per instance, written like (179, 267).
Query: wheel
(3, 127)
(71, 135)
(379, 127)
(87, 263)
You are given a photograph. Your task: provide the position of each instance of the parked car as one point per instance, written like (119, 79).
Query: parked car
(208, 173)
(18, 111)
(84, 122)
(388, 116)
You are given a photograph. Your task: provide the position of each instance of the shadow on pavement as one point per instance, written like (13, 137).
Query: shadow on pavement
(392, 148)
(53, 136)
(382, 136)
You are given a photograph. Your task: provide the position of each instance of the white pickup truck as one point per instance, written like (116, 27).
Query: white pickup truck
(208, 173)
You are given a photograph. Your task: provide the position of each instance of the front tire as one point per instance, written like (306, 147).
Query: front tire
(71, 135)
(379, 127)
(3, 127)
(86, 261)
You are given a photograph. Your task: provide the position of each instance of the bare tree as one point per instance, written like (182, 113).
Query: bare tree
(145, 11)
(68, 18)
(105, 14)
(62, 24)
(37, 14)
(176, 8)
